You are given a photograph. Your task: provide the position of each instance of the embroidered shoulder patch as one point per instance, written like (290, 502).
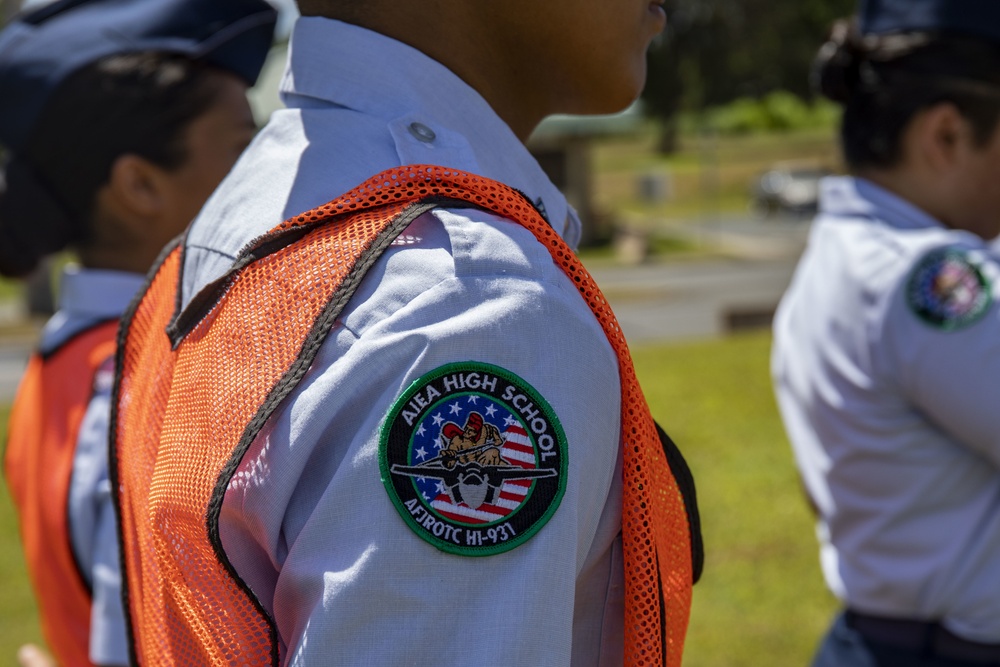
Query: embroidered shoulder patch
(947, 290)
(473, 458)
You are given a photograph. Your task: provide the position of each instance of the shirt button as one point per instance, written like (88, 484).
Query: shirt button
(422, 133)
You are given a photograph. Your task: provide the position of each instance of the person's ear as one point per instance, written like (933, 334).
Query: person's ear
(942, 136)
(136, 186)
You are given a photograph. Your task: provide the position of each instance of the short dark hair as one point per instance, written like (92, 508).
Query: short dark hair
(883, 81)
(125, 104)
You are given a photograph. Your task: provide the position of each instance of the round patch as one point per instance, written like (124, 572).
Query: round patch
(473, 458)
(947, 290)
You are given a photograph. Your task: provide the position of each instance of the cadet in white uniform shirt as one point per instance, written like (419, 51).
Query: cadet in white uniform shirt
(886, 358)
(306, 521)
(112, 146)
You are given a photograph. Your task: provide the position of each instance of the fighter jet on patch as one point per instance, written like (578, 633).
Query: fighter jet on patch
(471, 483)
(470, 465)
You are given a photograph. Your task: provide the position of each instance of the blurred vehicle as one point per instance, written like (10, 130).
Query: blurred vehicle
(788, 189)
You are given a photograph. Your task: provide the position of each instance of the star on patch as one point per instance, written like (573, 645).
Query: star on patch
(499, 471)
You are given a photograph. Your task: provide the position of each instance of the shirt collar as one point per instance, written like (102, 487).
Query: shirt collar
(331, 62)
(850, 196)
(88, 297)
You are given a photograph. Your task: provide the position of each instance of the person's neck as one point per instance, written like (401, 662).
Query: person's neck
(457, 44)
(909, 186)
(927, 192)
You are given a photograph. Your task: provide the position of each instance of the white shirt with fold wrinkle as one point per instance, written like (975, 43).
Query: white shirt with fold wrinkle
(894, 421)
(306, 520)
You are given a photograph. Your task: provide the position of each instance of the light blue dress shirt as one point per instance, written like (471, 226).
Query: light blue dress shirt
(306, 521)
(892, 411)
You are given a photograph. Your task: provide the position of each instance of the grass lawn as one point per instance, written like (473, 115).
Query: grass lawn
(9, 289)
(761, 600)
(706, 176)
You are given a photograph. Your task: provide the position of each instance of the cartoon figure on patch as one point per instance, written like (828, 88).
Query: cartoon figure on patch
(479, 441)
(473, 458)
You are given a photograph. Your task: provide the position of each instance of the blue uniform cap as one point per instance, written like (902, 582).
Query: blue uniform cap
(980, 18)
(41, 48)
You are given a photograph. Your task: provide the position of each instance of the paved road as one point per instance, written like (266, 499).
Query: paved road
(654, 302)
(13, 356)
(694, 300)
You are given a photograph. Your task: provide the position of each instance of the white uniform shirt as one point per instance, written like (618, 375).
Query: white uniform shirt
(307, 521)
(88, 297)
(886, 365)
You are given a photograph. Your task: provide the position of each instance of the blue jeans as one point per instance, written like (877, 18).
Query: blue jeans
(845, 647)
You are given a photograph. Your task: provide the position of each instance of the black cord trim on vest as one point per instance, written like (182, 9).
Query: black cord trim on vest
(48, 354)
(113, 473)
(541, 214)
(186, 319)
(202, 303)
(182, 260)
(287, 383)
(685, 483)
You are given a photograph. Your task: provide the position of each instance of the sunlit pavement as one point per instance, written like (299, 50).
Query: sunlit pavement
(13, 356)
(654, 302)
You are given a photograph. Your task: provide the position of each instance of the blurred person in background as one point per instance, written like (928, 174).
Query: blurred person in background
(415, 447)
(118, 118)
(886, 358)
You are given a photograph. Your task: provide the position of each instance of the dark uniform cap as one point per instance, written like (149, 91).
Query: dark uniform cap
(980, 18)
(41, 48)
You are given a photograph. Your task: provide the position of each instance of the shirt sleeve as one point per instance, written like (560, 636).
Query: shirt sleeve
(93, 528)
(356, 573)
(108, 639)
(943, 328)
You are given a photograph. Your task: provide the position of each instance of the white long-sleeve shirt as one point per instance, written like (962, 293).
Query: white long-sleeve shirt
(886, 365)
(307, 521)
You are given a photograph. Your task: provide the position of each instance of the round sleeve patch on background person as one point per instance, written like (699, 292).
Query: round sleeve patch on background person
(473, 458)
(947, 290)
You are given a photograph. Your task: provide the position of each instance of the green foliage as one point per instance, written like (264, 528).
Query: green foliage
(718, 51)
(779, 111)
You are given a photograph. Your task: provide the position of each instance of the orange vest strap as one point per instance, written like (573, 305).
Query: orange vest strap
(272, 311)
(44, 427)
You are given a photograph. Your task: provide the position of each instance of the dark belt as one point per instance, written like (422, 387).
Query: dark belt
(929, 638)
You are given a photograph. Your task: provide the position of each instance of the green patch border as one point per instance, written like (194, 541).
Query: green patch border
(936, 257)
(524, 387)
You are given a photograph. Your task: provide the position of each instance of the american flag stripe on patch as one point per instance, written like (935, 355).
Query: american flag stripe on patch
(517, 450)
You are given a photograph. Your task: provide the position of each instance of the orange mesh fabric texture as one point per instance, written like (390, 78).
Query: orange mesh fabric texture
(44, 429)
(186, 417)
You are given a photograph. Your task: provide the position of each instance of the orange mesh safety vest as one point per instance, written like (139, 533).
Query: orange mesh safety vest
(44, 425)
(195, 390)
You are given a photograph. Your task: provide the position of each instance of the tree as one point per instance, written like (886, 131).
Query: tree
(715, 51)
